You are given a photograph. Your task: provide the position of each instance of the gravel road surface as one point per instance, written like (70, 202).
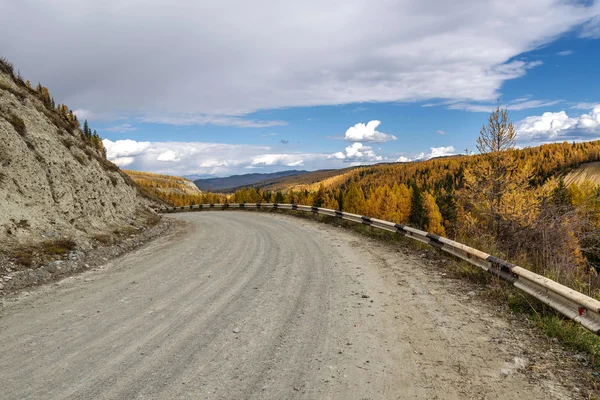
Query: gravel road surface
(245, 305)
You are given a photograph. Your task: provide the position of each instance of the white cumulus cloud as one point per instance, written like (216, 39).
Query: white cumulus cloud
(204, 158)
(440, 152)
(126, 147)
(435, 152)
(356, 153)
(558, 126)
(288, 160)
(123, 152)
(168, 156)
(367, 133)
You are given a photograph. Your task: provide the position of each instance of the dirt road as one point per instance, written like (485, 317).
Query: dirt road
(242, 305)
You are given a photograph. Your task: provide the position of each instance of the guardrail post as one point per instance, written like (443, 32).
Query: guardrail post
(572, 304)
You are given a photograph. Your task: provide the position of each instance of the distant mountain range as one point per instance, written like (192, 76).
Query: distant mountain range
(282, 180)
(230, 183)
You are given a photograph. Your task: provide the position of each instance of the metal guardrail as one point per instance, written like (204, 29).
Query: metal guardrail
(571, 303)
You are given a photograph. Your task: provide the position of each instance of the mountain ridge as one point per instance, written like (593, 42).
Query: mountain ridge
(230, 183)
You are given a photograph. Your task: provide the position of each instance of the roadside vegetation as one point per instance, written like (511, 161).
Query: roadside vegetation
(584, 344)
(506, 201)
(37, 254)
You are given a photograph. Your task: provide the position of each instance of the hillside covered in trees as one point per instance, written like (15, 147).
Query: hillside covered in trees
(507, 201)
(172, 189)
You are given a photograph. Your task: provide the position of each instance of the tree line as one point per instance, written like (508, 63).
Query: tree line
(507, 201)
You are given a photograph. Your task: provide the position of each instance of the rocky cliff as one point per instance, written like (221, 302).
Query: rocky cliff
(54, 182)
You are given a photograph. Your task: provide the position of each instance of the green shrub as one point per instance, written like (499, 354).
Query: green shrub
(59, 246)
(572, 335)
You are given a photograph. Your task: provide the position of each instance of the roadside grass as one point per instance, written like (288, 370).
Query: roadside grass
(570, 334)
(31, 255)
(552, 324)
(125, 231)
(104, 238)
(23, 257)
(58, 246)
(547, 321)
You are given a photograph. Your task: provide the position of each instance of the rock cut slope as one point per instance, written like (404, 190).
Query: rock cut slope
(53, 182)
(585, 172)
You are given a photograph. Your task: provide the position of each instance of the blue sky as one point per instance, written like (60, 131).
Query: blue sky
(233, 88)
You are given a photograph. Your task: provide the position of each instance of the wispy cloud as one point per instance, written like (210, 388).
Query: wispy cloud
(269, 134)
(440, 132)
(592, 28)
(564, 53)
(586, 106)
(121, 128)
(218, 120)
(515, 105)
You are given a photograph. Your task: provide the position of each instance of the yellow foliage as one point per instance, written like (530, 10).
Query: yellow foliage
(434, 217)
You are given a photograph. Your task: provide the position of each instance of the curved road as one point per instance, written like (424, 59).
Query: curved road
(241, 305)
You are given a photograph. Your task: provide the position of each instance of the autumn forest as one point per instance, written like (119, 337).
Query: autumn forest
(507, 201)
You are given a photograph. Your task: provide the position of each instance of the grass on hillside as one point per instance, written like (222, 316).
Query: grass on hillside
(140, 174)
(30, 255)
(308, 181)
(163, 185)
